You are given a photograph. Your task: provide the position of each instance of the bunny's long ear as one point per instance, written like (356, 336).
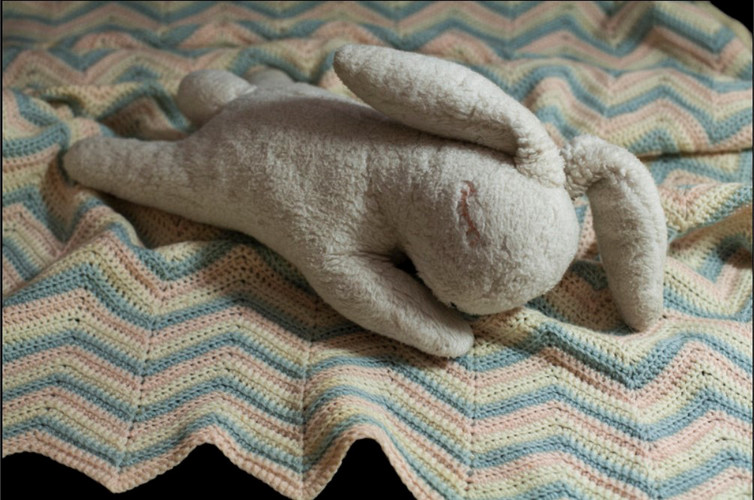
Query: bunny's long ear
(629, 223)
(449, 100)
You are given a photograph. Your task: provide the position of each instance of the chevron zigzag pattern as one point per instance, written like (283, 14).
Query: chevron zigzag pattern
(131, 336)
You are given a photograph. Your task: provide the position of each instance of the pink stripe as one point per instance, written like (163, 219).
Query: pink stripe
(219, 32)
(729, 329)
(714, 423)
(109, 39)
(683, 367)
(14, 124)
(60, 400)
(321, 472)
(19, 224)
(542, 465)
(281, 479)
(733, 57)
(125, 383)
(730, 289)
(64, 453)
(563, 419)
(35, 161)
(615, 88)
(11, 279)
(110, 252)
(494, 22)
(76, 303)
(246, 320)
(348, 31)
(728, 484)
(445, 418)
(220, 12)
(475, 51)
(158, 428)
(86, 22)
(231, 361)
(354, 12)
(414, 442)
(671, 43)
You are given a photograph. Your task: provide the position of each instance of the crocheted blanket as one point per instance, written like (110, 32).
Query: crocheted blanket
(131, 336)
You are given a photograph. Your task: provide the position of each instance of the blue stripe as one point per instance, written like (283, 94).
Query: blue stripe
(104, 349)
(26, 146)
(105, 400)
(702, 166)
(13, 352)
(86, 7)
(17, 258)
(406, 415)
(52, 426)
(88, 277)
(720, 255)
(690, 478)
(655, 489)
(154, 261)
(31, 199)
(224, 384)
(247, 441)
(400, 11)
(155, 91)
(741, 198)
(120, 459)
(633, 376)
(703, 402)
(555, 490)
(344, 425)
(714, 42)
(33, 111)
(77, 59)
(128, 412)
(679, 484)
(658, 139)
(698, 406)
(508, 49)
(677, 300)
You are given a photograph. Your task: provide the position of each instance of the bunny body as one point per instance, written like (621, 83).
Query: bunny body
(337, 188)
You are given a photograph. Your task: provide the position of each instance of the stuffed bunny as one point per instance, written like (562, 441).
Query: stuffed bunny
(444, 167)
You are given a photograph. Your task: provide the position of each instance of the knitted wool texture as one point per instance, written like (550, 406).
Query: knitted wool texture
(130, 336)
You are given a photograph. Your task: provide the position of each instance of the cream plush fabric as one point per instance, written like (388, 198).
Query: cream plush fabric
(337, 188)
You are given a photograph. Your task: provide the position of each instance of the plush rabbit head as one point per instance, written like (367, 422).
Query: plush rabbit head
(488, 239)
(449, 170)
(536, 236)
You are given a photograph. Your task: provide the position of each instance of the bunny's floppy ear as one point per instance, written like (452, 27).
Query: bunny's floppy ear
(450, 100)
(628, 220)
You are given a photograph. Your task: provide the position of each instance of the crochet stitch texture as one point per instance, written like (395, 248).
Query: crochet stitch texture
(131, 336)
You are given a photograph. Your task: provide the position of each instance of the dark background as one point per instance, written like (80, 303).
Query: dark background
(741, 10)
(207, 473)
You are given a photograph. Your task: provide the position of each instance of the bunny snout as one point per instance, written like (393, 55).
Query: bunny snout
(513, 240)
(531, 258)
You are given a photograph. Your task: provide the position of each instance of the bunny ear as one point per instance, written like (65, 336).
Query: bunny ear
(449, 100)
(629, 223)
